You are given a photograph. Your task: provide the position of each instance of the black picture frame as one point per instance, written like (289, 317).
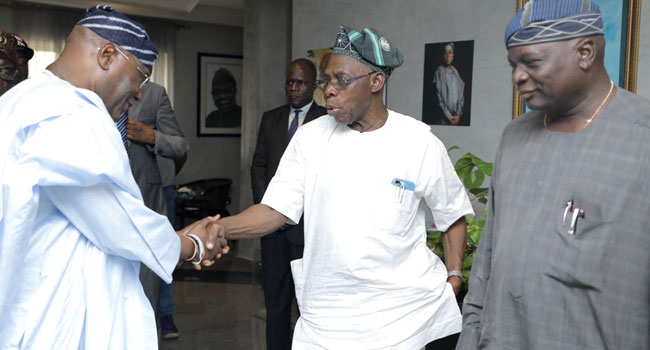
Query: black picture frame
(432, 113)
(210, 121)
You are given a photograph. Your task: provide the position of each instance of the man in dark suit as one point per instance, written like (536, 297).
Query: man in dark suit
(286, 244)
(152, 130)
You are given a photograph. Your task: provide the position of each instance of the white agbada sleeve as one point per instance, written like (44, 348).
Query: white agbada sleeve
(444, 192)
(89, 180)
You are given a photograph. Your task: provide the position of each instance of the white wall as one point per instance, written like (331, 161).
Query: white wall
(409, 25)
(208, 156)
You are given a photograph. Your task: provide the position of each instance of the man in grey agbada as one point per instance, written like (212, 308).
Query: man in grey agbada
(450, 88)
(563, 261)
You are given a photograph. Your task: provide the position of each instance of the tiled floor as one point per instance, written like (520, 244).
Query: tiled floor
(216, 309)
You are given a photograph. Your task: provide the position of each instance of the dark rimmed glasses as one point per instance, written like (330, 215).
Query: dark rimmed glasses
(341, 83)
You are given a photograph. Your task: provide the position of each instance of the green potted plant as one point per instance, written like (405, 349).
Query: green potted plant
(472, 171)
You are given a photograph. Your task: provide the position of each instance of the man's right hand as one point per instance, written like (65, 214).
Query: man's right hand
(212, 236)
(220, 233)
(454, 120)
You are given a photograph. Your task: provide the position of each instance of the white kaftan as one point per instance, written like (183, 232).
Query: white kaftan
(367, 279)
(73, 227)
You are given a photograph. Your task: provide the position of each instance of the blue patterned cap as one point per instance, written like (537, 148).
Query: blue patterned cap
(542, 21)
(369, 47)
(115, 27)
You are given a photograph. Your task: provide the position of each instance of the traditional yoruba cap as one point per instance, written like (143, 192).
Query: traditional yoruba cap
(541, 21)
(369, 47)
(22, 46)
(8, 48)
(115, 27)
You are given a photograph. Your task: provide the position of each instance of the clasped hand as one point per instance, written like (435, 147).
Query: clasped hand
(213, 237)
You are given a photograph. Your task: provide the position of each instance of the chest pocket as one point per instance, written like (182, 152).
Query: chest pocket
(587, 250)
(392, 208)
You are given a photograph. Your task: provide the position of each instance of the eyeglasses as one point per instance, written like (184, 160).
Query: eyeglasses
(341, 83)
(145, 75)
(8, 73)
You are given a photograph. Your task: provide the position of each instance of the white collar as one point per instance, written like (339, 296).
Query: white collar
(304, 109)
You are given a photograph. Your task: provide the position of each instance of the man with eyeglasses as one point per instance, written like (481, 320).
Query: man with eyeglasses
(73, 226)
(286, 244)
(8, 62)
(367, 279)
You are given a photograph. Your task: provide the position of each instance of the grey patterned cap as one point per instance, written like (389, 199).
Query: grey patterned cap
(369, 47)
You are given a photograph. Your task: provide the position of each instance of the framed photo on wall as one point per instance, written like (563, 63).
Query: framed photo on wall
(219, 100)
(621, 20)
(447, 88)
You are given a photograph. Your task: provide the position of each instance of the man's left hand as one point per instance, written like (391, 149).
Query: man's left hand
(140, 132)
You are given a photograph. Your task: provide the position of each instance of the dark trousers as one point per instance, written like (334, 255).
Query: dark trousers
(446, 343)
(279, 292)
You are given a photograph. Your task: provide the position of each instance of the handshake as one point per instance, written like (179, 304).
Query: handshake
(203, 242)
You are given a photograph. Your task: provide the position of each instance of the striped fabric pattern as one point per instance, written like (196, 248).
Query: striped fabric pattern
(121, 127)
(541, 21)
(113, 26)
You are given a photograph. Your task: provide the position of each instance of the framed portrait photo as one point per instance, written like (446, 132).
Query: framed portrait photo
(447, 88)
(219, 101)
(621, 20)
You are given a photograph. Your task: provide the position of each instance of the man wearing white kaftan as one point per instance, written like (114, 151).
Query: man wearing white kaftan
(66, 266)
(364, 177)
(367, 276)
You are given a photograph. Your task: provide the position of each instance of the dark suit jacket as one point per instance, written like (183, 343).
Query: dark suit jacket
(154, 109)
(271, 143)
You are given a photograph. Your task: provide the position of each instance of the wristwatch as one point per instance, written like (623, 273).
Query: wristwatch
(455, 273)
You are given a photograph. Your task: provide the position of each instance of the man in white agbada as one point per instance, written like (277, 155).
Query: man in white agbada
(73, 227)
(367, 279)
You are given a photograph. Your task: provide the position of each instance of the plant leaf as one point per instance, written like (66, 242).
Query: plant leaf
(475, 236)
(485, 167)
(463, 166)
(474, 180)
(479, 191)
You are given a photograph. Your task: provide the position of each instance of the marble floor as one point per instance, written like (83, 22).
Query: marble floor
(220, 308)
